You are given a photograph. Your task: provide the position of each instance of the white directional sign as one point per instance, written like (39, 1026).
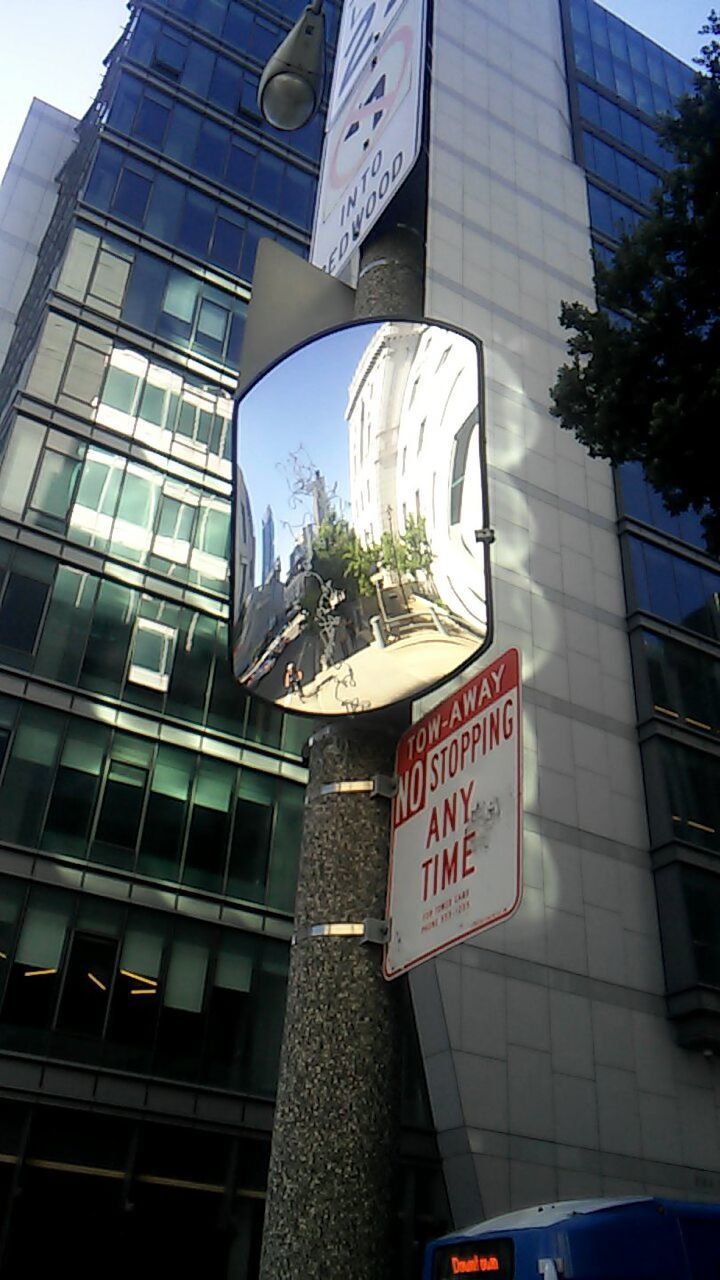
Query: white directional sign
(373, 134)
(362, 27)
(455, 859)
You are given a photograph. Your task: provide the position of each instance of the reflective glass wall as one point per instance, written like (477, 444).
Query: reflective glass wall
(619, 81)
(150, 814)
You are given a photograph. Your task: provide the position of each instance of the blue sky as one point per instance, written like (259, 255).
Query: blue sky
(314, 424)
(53, 49)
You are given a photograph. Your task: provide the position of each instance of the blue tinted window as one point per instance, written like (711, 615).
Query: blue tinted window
(623, 79)
(151, 121)
(676, 589)
(265, 39)
(199, 69)
(631, 131)
(145, 289)
(131, 195)
(212, 149)
(103, 178)
(617, 37)
(213, 15)
(164, 211)
(227, 243)
(182, 136)
(196, 224)
(609, 116)
(237, 25)
(226, 84)
(268, 176)
(124, 106)
(170, 54)
(637, 51)
(298, 195)
(640, 500)
(211, 327)
(142, 43)
(589, 104)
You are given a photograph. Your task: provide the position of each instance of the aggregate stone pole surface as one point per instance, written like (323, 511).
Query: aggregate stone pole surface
(331, 1203)
(331, 1195)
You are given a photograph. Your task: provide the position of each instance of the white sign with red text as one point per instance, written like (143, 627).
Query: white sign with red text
(456, 845)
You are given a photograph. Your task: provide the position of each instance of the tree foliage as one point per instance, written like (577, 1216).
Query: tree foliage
(643, 381)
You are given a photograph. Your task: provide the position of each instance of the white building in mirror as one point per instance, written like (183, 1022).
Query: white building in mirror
(414, 422)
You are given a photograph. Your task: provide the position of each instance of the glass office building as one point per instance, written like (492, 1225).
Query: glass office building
(149, 816)
(619, 82)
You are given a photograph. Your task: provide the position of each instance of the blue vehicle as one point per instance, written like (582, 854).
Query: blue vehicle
(636, 1238)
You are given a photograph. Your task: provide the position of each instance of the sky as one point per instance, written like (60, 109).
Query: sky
(53, 49)
(314, 427)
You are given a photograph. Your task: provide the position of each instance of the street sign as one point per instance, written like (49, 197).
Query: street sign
(362, 28)
(373, 133)
(455, 854)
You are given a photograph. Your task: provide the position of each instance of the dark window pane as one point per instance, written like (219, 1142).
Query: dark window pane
(88, 978)
(28, 775)
(250, 851)
(226, 244)
(120, 813)
(209, 826)
(151, 121)
(170, 55)
(212, 149)
(165, 817)
(72, 803)
(67, 623)
(196, 224)
(106, 655)
(182, 135)
(21, 609)
(199, 69)
(131, 196)
(226, 84)
(190, 674)
(103, 177)
(147, 285)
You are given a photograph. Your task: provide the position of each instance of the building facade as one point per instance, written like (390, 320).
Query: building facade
(149, 815)
(571, 1051)
(28, 192)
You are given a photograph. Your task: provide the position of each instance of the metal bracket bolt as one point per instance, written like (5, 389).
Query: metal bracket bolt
(381, 786)
(369, 930)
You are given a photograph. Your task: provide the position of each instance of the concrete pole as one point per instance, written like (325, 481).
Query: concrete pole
(331, 1203)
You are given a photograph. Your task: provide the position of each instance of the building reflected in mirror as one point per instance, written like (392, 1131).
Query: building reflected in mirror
(360, 458)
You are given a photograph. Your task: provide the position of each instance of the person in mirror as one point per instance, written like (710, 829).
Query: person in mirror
(293, 679)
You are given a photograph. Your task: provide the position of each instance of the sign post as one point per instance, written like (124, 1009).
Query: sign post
(455, 854)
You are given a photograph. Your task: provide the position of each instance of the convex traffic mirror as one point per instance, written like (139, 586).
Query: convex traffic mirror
(360, 573)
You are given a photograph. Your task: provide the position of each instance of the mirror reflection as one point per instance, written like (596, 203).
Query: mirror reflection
(359, 577)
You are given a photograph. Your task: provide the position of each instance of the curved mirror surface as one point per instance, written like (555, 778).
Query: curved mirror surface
(359, 489)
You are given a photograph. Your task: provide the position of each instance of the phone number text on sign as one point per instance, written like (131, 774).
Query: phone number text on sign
(455, 860)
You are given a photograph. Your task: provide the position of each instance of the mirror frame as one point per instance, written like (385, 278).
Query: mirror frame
(311, 714)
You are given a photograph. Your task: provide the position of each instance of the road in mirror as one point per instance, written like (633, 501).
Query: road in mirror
(359, 490)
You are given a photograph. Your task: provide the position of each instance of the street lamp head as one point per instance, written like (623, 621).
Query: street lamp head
(291, 84)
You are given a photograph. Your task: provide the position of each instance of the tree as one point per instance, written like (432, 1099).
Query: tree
(643, 382)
